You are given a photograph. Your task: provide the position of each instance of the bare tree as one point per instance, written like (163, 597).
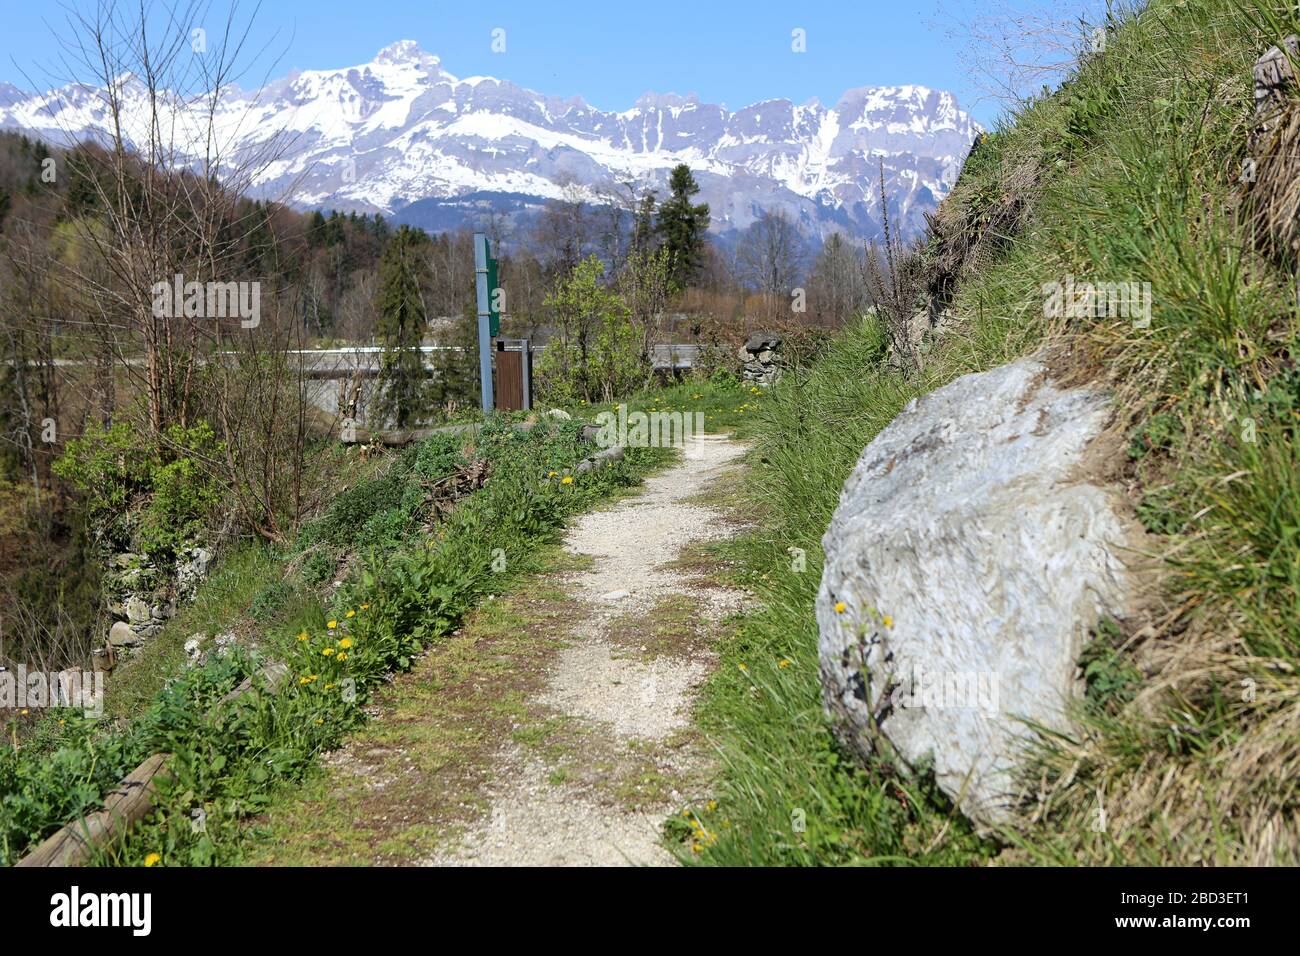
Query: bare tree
(895, 282)
(357, 307)
(168, 210)
(836, 285)
(1014, 48)
(565, 231)
(167, 192)
(770, 257)
(28, 384)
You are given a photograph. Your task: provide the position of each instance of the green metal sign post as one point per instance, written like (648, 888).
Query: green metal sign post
(494, 297)
(488, 293)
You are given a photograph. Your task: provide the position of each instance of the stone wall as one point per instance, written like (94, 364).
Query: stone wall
(142, 597)
(760, 359)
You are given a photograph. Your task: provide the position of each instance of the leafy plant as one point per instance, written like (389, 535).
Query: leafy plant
(595, 353)
(1111, 677)
(152, 497)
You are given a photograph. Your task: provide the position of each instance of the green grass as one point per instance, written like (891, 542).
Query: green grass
(1129, 174)
(787, 795)
(432, 742)
(219, 607)
(727, 404)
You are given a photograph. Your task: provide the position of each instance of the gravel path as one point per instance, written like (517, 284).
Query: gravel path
(630, 704)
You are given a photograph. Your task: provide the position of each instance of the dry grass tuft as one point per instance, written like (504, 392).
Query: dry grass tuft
(1273, 198)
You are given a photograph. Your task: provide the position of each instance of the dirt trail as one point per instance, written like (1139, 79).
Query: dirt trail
(620, 688)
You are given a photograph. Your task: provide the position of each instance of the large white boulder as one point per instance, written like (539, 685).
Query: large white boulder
(972, 551)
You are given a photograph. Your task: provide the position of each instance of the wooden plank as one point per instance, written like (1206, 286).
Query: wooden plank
(131, 800)
(270, 677)
(394, 438)
(124, 806)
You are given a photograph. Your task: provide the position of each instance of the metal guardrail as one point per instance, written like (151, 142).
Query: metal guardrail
(366, 359)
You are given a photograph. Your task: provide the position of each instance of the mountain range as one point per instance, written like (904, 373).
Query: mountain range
(403, 137)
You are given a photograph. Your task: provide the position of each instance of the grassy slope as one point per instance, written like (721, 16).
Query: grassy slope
(1190, 728)
(403, 587)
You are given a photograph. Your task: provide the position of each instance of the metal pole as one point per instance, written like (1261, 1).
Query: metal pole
(527, 362)
(484, 318)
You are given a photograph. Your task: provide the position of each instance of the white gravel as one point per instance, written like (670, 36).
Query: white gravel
(534, 822)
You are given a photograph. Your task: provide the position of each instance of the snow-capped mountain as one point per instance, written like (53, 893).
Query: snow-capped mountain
(402, 136)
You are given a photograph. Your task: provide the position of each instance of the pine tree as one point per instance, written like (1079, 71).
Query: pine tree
(643, 229)
(455, 381)
(682, 224)
(315, 229)
(404, 277)
(259, 250)
(82, 196)
(334, 230)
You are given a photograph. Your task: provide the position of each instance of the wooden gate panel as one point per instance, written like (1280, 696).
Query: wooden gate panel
(510, 381)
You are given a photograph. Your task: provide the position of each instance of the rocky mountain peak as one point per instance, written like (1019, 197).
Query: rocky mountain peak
(403, 137)
(407, 52)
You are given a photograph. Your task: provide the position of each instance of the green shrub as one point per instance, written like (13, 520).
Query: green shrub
(141, 497)
(270, 600)
(595, 353)
(319, 565)
(1112, 679)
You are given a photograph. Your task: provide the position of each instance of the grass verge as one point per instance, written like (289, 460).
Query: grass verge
(1187, 747)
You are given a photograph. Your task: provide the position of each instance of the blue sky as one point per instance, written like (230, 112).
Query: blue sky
(608, 52)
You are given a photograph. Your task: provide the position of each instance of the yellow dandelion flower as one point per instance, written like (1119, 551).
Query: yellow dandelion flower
(302, 635)
(327, 651)
(712, 804)
(346, 642)
(365, 607)
(153, 859)
(343, 655)
(889, 621)
(351, 614)
(303, 680)
(840, 607)
(332, 624)
(784, 664)
(743, 667)
(567, 480)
